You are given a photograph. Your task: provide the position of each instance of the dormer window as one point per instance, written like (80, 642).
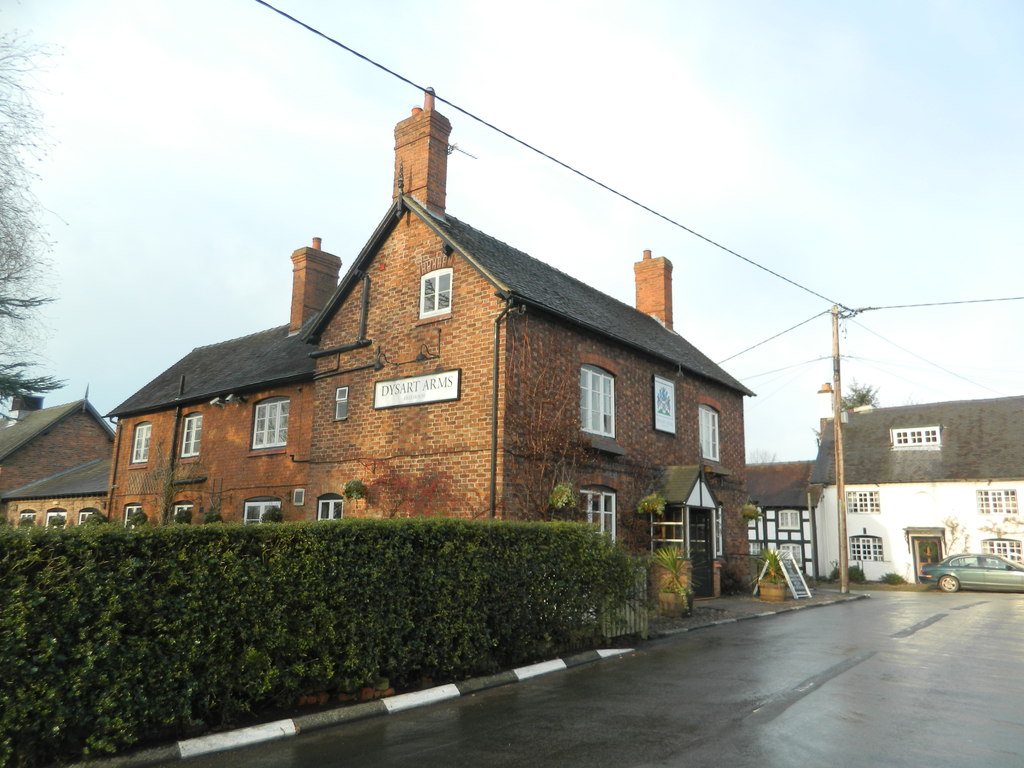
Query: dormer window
(917, 437)
(436, 293)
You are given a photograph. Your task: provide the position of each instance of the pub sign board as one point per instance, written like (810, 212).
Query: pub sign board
(417, 390)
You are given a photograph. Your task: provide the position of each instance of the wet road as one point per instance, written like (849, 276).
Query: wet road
(901, 679)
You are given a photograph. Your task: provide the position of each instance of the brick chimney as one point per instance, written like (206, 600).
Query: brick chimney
(826, 406)
(421, 156)
(314, 278)
(654, 288)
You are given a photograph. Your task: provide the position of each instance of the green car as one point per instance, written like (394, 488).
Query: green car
(985, 572)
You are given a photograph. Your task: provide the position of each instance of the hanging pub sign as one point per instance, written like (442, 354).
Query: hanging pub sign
(417, 390)
(664, 405)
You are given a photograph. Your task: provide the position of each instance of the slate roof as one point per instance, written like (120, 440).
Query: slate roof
(258, 361)
(36, 423)
(980, 440)
(89, 479)
(537, 284)
(782, 485)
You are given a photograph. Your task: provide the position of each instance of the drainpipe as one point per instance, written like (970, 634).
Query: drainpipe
(494, 404)
(814, 536)
(174, 444)
(113, 469)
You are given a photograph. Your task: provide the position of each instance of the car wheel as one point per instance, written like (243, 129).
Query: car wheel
(949, 584)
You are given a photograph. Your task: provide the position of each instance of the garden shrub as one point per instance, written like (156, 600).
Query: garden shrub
(892, 578)
(111, 636)
(855, 574)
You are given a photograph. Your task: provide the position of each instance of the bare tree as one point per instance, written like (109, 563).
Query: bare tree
(762, 456)
(23, 246)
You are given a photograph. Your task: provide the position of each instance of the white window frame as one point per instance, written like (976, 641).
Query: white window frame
(788, 519)
(708, 432)
(1011, 549)
(600, 506)
(756, 547)
(795, 550)
(53, 514)
(140, 442)
(863, 503)
(341, 403)
(866, 549)
(597, 401)
(436, 293)
(270, 423)
(182, 505)
(85, 514)
(254, 510)
(997, 501)
(128, 509)
(330, 506)
(916, 437)
(27, 515)
(191, 435)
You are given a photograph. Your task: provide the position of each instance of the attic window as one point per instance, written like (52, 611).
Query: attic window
(917, 437)
(436, 293)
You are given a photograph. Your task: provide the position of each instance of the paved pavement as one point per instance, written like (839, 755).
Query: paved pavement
(707, 613)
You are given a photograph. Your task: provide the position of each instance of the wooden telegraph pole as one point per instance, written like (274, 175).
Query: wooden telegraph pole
(837, 433)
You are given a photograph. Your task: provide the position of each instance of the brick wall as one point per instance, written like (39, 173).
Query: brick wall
(233, 471)
(71, 442)
(71, 508)
(447, 439)
(539, 370)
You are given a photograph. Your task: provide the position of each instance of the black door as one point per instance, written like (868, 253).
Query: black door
(701, 554)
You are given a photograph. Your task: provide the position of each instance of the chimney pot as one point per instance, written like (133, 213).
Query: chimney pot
(647, 254)
(421, 156)
(314, 278)
(417, 110)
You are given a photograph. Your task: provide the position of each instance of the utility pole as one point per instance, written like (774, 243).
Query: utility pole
(837, 434)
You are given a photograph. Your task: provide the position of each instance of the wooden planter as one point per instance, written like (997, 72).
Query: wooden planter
(771, 593)
(674, 605)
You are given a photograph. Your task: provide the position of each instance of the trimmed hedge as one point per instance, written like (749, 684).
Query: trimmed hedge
(109, 637)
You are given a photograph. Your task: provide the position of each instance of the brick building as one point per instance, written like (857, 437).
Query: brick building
(451, 373)
(39, 445)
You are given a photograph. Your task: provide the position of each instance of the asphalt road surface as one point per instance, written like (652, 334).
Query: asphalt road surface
(901, 679)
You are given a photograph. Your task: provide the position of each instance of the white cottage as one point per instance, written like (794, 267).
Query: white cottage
(924, 481)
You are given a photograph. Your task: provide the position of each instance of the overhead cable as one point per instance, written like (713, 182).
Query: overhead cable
(553, 159)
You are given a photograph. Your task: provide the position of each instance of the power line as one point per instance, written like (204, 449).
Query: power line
(553, 159)
(935, 365)
(786, 368)
(940, 304)
(781, 333)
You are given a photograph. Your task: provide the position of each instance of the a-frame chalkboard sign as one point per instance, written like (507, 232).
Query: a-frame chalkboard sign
(794, 576)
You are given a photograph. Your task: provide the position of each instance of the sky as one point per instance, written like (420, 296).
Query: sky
(866, 154)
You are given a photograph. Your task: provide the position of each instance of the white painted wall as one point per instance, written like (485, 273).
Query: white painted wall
(915, 505)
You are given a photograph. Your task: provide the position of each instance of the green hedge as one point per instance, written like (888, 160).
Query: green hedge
(109, 637)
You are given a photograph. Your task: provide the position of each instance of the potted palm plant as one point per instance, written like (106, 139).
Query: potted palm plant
(771, 585)
(675, 597)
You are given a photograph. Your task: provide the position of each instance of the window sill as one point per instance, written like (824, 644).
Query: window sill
(606, 445)
(714, 468)
(267, 451)
(433, 319)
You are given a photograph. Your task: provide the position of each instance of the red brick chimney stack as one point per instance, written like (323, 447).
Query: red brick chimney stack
(654, 287)
(314, 278)
(421, 156)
